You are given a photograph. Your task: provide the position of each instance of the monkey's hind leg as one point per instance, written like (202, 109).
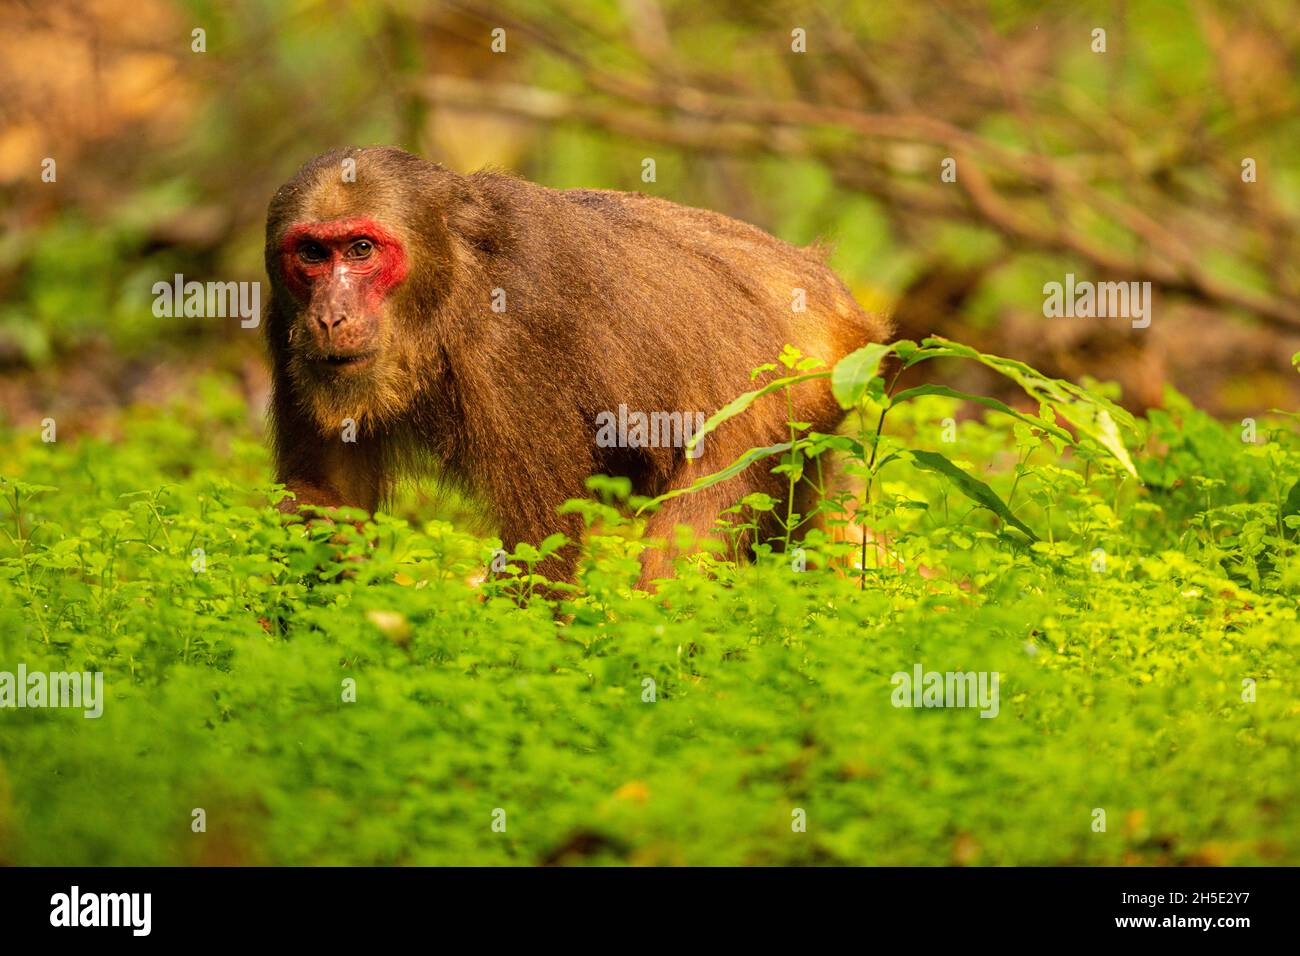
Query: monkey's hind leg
(697, 511)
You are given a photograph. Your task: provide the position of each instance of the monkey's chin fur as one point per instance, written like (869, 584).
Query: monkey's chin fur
(372, 393)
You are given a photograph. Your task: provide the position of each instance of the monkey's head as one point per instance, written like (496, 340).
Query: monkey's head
(362, 253)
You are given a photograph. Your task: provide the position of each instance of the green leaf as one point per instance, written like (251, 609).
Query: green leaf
(526, 553)
(974, 489)
(853, 373)
(984, 400)
(553, 543)
(1291, 506)
(735, 468)
(742, 402)
(1090, 414)
(25, 489)
(815, 443)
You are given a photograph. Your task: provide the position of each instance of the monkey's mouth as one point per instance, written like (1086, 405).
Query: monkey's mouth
(353, 360)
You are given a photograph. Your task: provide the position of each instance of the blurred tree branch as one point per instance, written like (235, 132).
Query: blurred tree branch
(1173, 194)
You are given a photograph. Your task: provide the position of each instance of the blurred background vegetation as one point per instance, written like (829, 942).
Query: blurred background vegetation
(1122, 165)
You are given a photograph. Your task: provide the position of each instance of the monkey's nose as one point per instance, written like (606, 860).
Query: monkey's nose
(332, 320)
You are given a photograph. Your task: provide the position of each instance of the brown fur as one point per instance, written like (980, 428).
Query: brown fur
(611, 298)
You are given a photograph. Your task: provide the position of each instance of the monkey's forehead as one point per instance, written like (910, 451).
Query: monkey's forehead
(385, 183)
(340, 229)
(390, 158)
(328, 199)
(377, 172)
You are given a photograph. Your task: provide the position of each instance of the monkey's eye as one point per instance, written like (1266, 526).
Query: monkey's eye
(361, 249)
(312, 252)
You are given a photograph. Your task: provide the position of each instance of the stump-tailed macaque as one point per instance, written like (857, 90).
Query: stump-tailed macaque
(519, 339)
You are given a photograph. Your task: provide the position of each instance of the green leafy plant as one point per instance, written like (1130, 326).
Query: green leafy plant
(858, 386)
(1146, 643)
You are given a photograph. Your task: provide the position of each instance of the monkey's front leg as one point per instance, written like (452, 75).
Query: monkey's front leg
(307, 494)
(323, 477)
(325, 472)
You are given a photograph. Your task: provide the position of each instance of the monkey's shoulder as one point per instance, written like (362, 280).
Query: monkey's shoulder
(683, 224)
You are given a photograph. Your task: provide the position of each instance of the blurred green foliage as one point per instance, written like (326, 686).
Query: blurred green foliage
(1156, 125)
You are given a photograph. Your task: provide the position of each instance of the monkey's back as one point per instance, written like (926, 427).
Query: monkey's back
(750, 273)
(681, 300)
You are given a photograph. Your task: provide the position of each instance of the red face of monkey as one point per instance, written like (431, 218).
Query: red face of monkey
(341, 272)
